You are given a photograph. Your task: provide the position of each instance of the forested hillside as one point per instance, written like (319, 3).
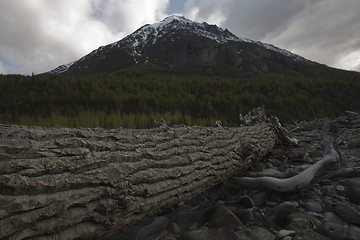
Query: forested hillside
(133, 97)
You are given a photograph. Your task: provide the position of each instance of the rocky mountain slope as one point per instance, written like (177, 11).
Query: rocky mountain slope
(177, 42)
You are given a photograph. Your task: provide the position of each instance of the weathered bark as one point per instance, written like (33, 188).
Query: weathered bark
(62, 183)
(304, 178)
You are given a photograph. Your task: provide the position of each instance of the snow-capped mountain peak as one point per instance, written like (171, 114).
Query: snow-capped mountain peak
(177, 41)
(151, 32)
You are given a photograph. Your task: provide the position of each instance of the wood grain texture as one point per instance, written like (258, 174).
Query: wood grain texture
(61, 183)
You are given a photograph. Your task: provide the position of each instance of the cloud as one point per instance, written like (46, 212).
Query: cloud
(252, 19)
(127, 16)
(39, 35)
(321, 30)
(324, 31)
(3, 69)
(350, 61)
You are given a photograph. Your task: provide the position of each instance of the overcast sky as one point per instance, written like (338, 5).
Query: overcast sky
(39, 35)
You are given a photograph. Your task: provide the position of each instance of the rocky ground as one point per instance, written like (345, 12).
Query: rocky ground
(328, 209)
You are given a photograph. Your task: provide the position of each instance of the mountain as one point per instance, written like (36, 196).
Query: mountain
(179, 43)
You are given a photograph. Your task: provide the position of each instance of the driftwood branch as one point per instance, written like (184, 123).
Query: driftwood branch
(60, 183)
(304, 178)
(258, 116)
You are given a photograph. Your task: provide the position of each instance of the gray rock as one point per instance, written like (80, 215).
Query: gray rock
(318, 192)
(185, 216)
(352, 191)
(284, 209)
(271, 203)
(249, 216)
(270, 222)
(328, 190)
(338, 229)
(297, 155)
(156, 227)
(309, 234)
(275, 161)
(313, 206)
(175, 228)
(298, 221)
(260, 197)
(284, 232)
(224, 218)
(209, 234)
(259, 233)
(243, 232)
(246, 202)
(354, 143)
(354, 233)
(347, 213)
(328, 202)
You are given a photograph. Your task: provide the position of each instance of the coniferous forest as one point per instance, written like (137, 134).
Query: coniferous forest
(132, 98)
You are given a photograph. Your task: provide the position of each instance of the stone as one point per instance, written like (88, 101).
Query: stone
(354, 143)
(275, 161)
(284, 232)
(260, 197)
(297, 155)
(309, 234)
(186, 216)
(328, 190)
(298, 221)
(271, 203)
(306, 156)
(156, 227)
(352, 191)
(284, 209)
(347, 213)
(313, 206)
(246, 202)
(338, 229)
(175, 228)
(259, 233)
(328, 203)
(270, 222)
(322, 230)
(354, 233)
(243, 232)
(316, 154)
(224, 218)
(209, 234)
(249, 216)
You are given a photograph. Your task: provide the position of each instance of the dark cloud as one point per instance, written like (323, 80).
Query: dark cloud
(321, 30)
(27, 41)
(40, 35)
(37, 36)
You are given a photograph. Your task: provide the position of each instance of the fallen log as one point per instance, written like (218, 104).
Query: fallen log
(330, 138)
(61, 183)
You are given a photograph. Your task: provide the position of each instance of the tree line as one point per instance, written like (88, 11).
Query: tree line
(134, 97)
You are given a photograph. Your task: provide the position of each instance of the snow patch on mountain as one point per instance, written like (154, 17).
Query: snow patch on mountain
(62, 68)
(152, 32)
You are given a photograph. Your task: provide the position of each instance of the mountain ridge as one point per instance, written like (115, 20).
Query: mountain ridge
(179, 42)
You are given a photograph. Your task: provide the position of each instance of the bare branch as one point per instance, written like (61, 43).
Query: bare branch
(304, 178)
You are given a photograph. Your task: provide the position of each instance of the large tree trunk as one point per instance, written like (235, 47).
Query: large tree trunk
(60, 183)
